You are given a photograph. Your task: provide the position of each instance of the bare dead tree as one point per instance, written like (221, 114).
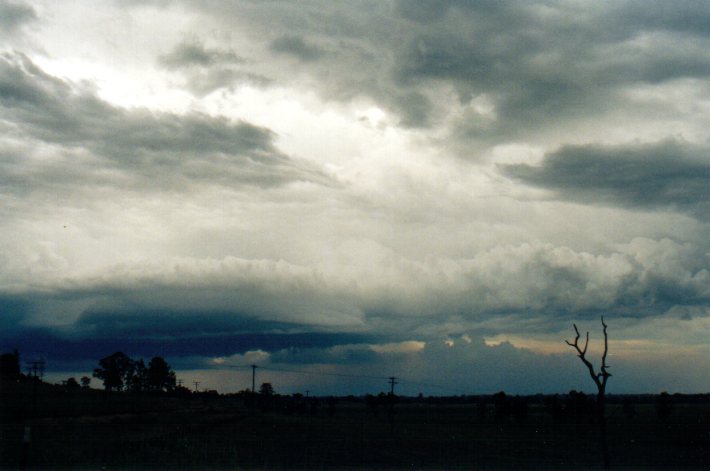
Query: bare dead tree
(600, 379)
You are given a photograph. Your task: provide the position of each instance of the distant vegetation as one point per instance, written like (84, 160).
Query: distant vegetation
(121, 373)
(143, 420)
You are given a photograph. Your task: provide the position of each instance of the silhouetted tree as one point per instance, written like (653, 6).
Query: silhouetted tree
(266, 389)
(137, 377)
(160, 376)
(115, 371)
(10, 366)
(182, 391)
(600, 380)
(72, 383)
(85, 382)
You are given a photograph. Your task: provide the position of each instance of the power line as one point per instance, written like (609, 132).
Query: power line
(389, 379)
(392, 381)
(305, 372)
(322, 373)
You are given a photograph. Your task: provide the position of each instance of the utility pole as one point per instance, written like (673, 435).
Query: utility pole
(196, 383)
(307, 391)
(35, 369)
(253, 377)
(179, 383)
(392, 383)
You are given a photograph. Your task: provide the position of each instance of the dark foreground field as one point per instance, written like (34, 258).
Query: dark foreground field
(90, 430)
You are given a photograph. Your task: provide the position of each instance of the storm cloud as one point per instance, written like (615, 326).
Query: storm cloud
(140, 142)
(420, 189)
(545, 62)
(667, 175)
(297, 47)
(189, 54)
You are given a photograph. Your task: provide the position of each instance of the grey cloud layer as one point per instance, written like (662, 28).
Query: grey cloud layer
(537, 63)
(297, 47)
(14, 15)
(532, 284)
(157, 148)
(207, 69)
(666, 175)
(188, 54)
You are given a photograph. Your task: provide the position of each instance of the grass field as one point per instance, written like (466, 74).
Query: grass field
(91, 430)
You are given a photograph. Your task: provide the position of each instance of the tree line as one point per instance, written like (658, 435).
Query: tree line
(119, 372)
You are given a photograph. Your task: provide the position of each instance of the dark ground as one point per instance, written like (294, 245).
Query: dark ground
(88, 429)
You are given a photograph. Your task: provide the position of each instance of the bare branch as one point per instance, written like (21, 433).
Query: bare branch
(599, 379)
(576, 339)
(581, 352)
(604, 373)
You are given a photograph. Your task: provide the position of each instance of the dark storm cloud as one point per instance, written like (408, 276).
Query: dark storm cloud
(414, 109)
(51, 110)
(165, 332)
(538, 63)
(683, 16)
(665, 175)
(14, 15)
(297, 47)
(194, 53)
(145, 144)
(208, 69)
(13, 310)
(161, 324)
(423, 11)
(71, 349)
(541, 68)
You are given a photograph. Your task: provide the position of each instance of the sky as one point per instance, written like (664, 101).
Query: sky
(435, 190)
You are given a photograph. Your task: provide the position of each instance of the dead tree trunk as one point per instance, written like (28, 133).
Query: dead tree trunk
(600, 380)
